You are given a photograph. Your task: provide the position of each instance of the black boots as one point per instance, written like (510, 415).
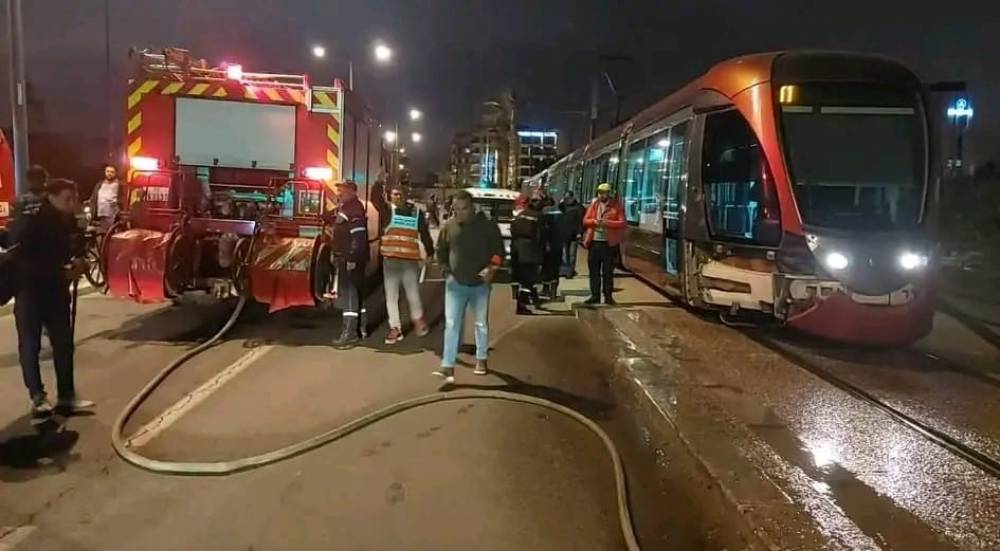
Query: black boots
(349, 335)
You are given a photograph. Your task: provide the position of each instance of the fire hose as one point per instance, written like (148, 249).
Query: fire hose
(221, 468)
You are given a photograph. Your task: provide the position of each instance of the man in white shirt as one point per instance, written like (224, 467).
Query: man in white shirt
(104, 200)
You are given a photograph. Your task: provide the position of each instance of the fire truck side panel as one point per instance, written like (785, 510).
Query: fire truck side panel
(7, 190)
(150, 127)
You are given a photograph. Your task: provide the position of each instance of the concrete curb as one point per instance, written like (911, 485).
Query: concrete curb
(653, 382)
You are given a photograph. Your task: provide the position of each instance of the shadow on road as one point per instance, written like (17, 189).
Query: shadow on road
(595, 409)
(26, 456)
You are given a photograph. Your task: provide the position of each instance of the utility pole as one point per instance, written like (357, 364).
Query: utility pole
(107, 81)
(18, 94)
(594, 101)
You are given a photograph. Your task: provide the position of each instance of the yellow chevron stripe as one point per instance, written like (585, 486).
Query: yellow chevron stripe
(220, 93)
(334, 163)
(332, 134)
(135, 147)
(135, 97)
(273, 94)
(135, 122)
(296, 95)
(249, 93)
(323, 98)
(198, 89)
(171, 88)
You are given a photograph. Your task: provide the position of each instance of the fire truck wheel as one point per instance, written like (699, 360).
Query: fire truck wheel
(241, 268)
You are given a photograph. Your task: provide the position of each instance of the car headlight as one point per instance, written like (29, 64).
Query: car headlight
(909, 260)
(836, 261)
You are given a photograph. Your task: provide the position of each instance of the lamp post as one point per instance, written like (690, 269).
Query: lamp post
(381, 53)
(960, 115)
(18, 94)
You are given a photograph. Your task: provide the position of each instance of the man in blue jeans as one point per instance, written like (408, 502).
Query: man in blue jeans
(470, 250)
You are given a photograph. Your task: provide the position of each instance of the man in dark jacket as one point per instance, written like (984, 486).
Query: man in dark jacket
(470, 250)
(45, 268)
(32, 200)
(350, 258)
(570, 230)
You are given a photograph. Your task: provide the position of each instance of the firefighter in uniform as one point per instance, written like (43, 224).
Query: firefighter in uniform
(405, 230)
(529, 235)
(350, 258)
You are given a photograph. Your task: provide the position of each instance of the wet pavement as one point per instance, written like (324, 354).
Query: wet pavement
(841, 457)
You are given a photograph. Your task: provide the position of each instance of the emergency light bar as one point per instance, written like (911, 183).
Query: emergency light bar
(234, 72)
(144, 163)
(321, 173)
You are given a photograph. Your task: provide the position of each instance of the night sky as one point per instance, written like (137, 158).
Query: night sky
(450, 55)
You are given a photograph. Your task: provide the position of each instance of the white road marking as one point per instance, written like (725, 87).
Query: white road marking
(11, 537)
(174, 413)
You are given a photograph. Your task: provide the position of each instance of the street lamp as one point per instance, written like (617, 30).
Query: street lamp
(383, 53)
(319, 52)
(415, 114)
(416, 137)
(390, 136)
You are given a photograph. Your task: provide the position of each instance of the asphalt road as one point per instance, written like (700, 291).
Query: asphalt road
(450, 476)
(487, 475)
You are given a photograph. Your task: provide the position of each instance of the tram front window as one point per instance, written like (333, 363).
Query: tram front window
(856, 154)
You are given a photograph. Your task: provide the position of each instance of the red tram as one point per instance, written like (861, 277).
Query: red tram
(232, 177)
(795, 185)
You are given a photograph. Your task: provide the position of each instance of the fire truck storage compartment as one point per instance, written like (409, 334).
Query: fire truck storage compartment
(235, 134)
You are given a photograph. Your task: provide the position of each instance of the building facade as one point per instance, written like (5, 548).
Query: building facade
(537, 150)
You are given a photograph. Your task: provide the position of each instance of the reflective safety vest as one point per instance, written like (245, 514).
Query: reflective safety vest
(402, 237)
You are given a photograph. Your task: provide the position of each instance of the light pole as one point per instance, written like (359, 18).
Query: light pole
(382, 53)
(18, 94)
(415, 115)
(960, 114)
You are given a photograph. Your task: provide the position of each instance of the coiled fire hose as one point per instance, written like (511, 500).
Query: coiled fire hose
(220, 468)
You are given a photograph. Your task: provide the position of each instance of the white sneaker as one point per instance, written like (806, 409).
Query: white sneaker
(446, 373)
(41, 408)
(74, 404)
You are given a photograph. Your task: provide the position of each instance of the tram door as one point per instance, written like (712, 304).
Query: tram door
(675, 177)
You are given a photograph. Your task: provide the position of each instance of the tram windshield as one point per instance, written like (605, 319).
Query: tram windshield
(856, 153)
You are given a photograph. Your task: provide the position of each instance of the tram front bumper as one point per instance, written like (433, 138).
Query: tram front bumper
(838, 317)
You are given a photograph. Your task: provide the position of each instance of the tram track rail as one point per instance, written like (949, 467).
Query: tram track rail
(984, 462)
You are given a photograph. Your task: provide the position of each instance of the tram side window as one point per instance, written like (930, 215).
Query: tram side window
(633, 181)
(732, 174)
(651, 197)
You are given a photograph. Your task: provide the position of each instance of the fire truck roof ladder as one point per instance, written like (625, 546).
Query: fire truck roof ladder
(177, 64)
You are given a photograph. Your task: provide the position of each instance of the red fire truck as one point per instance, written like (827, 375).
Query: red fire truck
(232, 179)
(6, 181)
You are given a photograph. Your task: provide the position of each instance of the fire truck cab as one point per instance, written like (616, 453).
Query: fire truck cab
(232, 181)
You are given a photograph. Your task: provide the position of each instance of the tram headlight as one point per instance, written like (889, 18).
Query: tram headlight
(836, 261)
(909, 260)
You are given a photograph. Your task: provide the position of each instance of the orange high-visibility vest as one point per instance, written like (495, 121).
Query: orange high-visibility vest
(402, 237)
